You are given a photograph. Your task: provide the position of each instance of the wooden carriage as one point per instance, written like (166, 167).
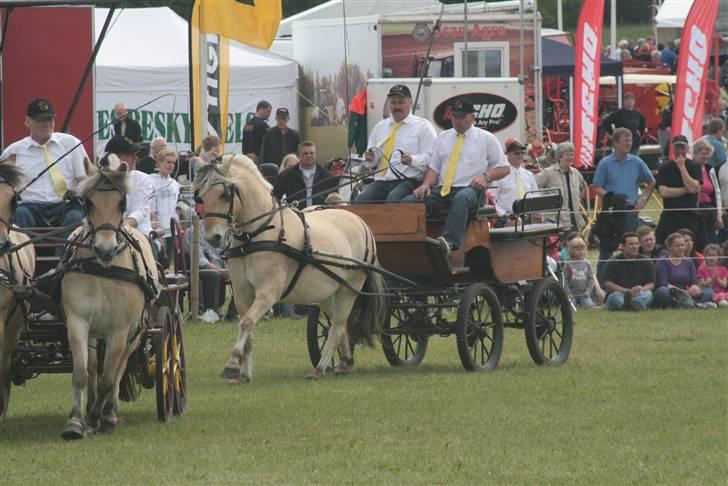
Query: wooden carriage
(498, 278)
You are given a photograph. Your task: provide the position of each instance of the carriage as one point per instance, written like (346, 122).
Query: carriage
(499, 278)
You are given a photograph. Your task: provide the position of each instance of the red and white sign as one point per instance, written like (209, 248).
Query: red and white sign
(586, 80)
(692, 71)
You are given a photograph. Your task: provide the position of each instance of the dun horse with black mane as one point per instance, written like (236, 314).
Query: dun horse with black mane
(276, 253)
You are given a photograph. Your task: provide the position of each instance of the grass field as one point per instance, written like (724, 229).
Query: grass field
(643, 399)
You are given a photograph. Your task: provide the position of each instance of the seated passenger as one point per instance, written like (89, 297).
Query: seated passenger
(306, 182)
(513, 186)
(44, 202)
(629, 277)
(399, 145)
(464, 160)
(139, 198)
(677, 280)
(164, 201)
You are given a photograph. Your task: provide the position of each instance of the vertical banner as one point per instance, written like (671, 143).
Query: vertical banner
(692, 71)
(586, 80)
(212, 23)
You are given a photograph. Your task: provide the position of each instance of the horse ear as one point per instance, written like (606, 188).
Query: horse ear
(89, 167)
(123, 167)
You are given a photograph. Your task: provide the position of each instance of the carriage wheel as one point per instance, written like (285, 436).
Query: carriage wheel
(550, 325)
(479, 329)
(400, 347)
(317, 333)
(179, 368)
(163, 365)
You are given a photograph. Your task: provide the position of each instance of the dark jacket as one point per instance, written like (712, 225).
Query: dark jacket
(253, 134)
(610, 223)
(276, 145)
(291, 184)
(632, 120)
(133, 130)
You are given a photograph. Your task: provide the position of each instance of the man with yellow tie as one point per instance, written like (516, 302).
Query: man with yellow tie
(515, 185)
(463, 162)
(399, 145)
(43, 202)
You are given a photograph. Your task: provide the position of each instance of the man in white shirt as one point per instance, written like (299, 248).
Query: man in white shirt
(44, 202)
(515, 185)
(139, 198)
(399, 146)
(463, 162)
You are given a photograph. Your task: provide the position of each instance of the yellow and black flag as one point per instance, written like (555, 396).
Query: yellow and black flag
(212, 23)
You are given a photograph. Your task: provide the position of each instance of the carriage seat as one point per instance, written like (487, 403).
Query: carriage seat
(483, 212)
(533, 202)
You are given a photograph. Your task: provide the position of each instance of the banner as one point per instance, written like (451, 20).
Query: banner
(586, 80)
(692, 71)
(251, 22)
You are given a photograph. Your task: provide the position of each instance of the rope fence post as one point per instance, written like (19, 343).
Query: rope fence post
(195, 269)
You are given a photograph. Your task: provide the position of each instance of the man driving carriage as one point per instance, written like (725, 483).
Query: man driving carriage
(399, 145)
(45, 200)
(464, 160)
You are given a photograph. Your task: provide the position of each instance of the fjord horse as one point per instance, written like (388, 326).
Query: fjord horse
(16, 266)
(269, 252)
(103, 297)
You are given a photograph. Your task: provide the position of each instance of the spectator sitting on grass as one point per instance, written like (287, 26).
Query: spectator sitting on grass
(714, 275)
(648, 243)
(579, 274)
(629, 277)
(677, 280)
(690, 250)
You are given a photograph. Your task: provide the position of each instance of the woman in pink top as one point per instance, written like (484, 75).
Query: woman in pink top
(710, 203)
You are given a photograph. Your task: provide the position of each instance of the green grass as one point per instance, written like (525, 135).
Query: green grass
(642, 399)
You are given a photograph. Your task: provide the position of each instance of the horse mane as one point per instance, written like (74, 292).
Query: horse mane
(11, 174)
(212, 173)
(101, 179)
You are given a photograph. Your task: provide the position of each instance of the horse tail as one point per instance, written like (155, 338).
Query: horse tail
(370, 309)
(129, 387)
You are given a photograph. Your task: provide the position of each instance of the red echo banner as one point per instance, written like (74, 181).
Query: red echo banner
(692, 70)
(586, 80)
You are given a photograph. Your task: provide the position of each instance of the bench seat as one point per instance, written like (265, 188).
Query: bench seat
(534, 230)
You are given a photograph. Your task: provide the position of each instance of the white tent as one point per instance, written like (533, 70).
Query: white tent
(672, 13)
(145, 56)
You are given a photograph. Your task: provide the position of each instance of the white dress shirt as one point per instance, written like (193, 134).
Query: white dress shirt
(414, 138)
(164, 201)
(308, 176)
(139, 200)
(481, 152)
(505, 190)
(29, 158)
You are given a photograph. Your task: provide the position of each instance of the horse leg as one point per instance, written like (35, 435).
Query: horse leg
(338, 338)
(239, 367)
(8, 341)
(105, 407)
(76, 427)
(93, 372)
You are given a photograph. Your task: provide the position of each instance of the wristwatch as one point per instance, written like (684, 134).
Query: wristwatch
(487, 178)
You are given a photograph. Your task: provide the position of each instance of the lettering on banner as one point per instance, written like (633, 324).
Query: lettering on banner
(212, 82)
(697, 58)
(588, 95)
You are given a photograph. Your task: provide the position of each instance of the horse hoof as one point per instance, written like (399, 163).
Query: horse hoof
(315, 374)
(342, 370)
(107, 427)
(73, 431)
(240, 380)
(230, 373)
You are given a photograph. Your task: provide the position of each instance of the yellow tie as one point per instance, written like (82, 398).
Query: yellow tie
(452, 164)
(58, 181)
(389, 146)
(519, 185)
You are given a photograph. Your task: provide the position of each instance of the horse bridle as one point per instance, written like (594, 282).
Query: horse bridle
(13, 206)
(106, 186)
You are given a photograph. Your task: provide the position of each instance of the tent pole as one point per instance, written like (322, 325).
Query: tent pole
(89, 66)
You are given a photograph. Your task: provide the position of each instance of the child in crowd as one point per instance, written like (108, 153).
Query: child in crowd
(713, 275)
(335, 199)
(579, 274)
(690, 250)
(163, 204)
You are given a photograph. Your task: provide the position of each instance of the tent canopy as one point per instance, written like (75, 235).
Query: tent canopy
(147, 48)
(558, 60)
(672, 13)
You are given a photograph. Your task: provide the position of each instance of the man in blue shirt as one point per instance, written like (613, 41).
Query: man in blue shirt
(667, 55)
(621, 173)
(716, 127)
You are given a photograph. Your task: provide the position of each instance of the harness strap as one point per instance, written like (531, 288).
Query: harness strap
(91, 267)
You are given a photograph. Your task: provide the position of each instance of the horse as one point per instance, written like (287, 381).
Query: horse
(270, 250)
(17, 264)
(108, 281)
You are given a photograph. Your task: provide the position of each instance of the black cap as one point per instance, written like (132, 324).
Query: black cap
(513, 144)
(399, 90)
(282, 112)
(120, 144)
(680, 140)
(461, 106)
(39, 108)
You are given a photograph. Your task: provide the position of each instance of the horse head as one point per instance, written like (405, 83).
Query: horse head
(10, 179)
(104, 199)
(232, 190)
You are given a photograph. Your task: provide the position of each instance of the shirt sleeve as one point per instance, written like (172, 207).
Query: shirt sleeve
(427, 137)
(649, 272)
(434, 162)
(141, 212)
(661, 273)
(645, 174)
(496, 156)
(600, 177)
